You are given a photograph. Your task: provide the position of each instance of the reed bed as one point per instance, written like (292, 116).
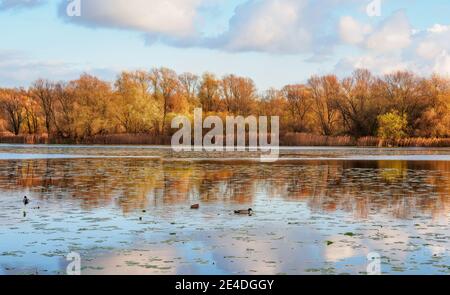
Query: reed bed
(23, 139)
(127, 139)
(288, 139)
(421, 142)
(306, 139)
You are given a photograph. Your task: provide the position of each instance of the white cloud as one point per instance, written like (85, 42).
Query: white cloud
(280, 26)
(430, 43)
(381, 47)
(394, 34)
(351, 31)
(395, 45)
(442, 64)
(175, 18)
(379, 64)
(270, 25)
(276, 26)
(437, 28)
(428, 50)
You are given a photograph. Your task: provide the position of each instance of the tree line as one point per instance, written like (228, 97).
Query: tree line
(396, 105)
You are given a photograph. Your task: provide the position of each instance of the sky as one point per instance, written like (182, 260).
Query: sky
(275, 42)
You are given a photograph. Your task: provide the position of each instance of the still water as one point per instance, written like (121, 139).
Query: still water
(126, 210)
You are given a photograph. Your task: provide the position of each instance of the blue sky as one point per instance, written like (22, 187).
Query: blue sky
(275, 42)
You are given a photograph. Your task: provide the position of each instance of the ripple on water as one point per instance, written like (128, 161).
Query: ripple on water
(129, 214)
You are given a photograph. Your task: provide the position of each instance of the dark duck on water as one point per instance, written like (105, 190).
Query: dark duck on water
(248, 212)
(26, 201)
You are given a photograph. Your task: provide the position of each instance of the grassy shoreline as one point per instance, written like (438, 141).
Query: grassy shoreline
(289, 139)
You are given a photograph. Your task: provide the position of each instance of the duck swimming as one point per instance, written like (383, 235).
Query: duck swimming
(248, 212)
(26, 201)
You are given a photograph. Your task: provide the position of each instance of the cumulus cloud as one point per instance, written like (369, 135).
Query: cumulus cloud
(351, 31)
(394, 34)
(442, 63)
(15, 4)
(270, 25)
(428, 50)
(308, 27)
(379, 64)
(276, 26)
(438, 28)
(175, 18)
(395, 45)
(280, 26)
(431, 42)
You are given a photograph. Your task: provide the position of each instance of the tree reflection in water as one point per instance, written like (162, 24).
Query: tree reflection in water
(401, 188)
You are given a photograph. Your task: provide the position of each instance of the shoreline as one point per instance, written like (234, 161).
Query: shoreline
(168, 147)
(286, 141)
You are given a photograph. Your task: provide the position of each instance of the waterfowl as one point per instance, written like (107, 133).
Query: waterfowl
(195, 206)
(26, 201)
(246, 212)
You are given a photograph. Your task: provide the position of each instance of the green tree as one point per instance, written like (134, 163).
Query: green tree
(392, 126)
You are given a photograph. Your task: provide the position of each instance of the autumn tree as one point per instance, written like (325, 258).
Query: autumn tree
(325, 92)
(145, 101)
(360, 103)
(132, 102)
(435, 121)
(165, 85)
(64, 106)
(299, 102)
(209, 93)
(31, 114)
(92, 106)
(238, 94)
(407, 94)
(189, 84)
(272, 103)
(11, 103)
(43, 91)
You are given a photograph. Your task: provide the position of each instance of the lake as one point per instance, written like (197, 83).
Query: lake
(126, 210)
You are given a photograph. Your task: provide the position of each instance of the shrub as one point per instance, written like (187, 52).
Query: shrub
(392, 126)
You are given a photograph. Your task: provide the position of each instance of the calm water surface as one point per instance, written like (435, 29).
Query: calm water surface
(126, 210)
